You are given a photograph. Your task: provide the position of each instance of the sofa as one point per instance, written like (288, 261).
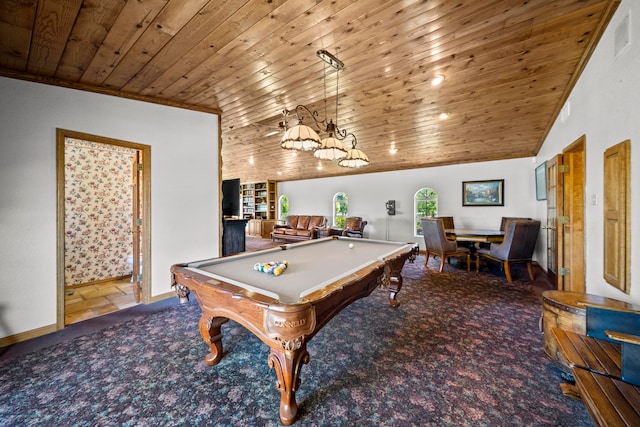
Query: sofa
(299, 228)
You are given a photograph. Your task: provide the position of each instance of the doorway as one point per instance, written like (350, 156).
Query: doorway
(565, 217)
(102, 240)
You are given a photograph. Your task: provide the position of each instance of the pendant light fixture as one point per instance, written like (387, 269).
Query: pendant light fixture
(331, 148)
(300, 137)
(355, 158)
(304, 138)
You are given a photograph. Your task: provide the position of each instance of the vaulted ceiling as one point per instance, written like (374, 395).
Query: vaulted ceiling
(508, 67)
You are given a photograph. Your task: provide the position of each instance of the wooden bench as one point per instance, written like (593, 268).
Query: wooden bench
(584, 352)
(605, 364)
(609, 401)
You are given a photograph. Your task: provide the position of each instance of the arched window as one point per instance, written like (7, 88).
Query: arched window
(425, 205)
(283, 207)
(340, 209)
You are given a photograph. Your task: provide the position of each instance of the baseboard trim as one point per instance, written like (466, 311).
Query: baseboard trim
(24, 336)
(38, 332)
(162, 297)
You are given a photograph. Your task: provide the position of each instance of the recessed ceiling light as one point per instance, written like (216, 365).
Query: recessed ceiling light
(443, 116)
(393, 150)
(273, 132)
(437, 79)
(279, 173)
(251, 160)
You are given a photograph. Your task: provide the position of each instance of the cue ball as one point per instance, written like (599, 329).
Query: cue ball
(350, 245)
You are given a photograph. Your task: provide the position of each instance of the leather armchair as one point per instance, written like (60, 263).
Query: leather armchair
(517, 247)
(353, 227)
(437, 244)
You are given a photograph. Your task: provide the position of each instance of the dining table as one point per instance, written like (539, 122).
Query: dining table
(475, 236)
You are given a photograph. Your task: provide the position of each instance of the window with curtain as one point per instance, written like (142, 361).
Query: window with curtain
(340, 209)
(425, 203)
(283, 207)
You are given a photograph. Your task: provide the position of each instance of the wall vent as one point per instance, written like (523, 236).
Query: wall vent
(622, 38)
(565, 112)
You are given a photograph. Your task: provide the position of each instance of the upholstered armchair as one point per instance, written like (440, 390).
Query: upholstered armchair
(517, 247)
(353, 227)
(437, 244)
(447, 221)
(505, 219)
(503, 225)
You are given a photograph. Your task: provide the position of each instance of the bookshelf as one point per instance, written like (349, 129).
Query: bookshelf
(259, 200)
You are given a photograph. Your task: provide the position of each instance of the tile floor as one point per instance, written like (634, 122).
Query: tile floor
(95, 300)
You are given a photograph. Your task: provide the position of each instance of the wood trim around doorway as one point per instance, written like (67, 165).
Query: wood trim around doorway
(61, 135)
(573, 182)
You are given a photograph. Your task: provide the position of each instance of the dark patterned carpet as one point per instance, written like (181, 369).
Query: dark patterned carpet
(463, 349)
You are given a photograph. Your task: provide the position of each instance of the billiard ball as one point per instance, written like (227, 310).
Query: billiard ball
(350, 245)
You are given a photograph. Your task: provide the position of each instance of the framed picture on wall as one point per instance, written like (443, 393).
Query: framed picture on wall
(483, 193)
(541, 182)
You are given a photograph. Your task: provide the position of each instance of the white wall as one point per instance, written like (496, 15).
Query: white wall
(368, 193)
(605, 106)
(184, 188)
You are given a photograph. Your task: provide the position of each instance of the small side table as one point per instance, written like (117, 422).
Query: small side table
(329, 231)
(323, 232)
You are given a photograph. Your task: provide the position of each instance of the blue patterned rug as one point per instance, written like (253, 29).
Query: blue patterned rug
(463, 349)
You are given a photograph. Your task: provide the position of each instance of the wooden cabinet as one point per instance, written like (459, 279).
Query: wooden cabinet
(259, 200)
(233, 236)
(261, 227)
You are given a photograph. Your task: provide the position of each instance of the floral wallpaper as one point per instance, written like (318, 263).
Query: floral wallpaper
(98, 211)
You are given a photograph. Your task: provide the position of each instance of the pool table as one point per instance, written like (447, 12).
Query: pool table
(286, 311)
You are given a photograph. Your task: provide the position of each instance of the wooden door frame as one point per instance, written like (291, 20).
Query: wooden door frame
(61, 135)
(572, 234)
(136, 226)
(554, 237)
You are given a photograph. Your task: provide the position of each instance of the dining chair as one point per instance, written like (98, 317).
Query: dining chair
(517, 247)
(505, 219)
(447, 221)
(437, 244)
(503, 224)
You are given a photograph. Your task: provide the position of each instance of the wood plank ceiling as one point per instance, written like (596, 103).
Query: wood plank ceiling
(508, 66)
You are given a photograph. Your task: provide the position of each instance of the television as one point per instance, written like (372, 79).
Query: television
(231, 197)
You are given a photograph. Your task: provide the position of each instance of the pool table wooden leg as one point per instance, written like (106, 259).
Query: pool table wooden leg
(288, 365)
(392, 278)
(210, 329)
(395, 283)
